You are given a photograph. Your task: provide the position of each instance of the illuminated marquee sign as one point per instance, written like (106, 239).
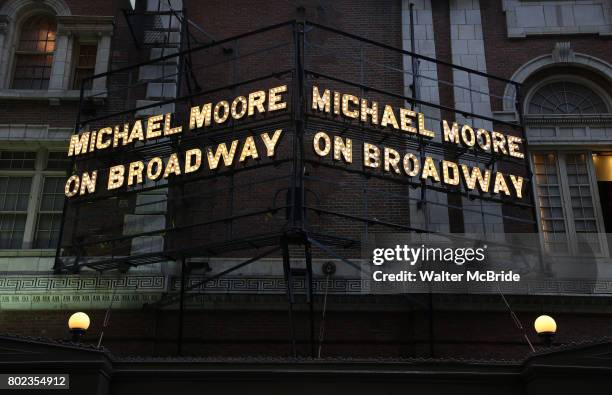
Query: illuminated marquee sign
(387, 159)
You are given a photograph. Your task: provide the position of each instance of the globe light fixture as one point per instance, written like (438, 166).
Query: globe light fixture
(78, 325)
(546, 327)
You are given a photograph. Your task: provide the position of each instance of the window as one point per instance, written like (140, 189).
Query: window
(85, 63)
(565, 195)
(566, 97)
(565, 181)
(31, 198)
(551, 207)
(50, 212)
(34, 54)
(14, 196)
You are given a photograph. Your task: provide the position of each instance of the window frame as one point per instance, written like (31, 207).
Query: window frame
(569, 78)
(38, 175)
(564, 187)
(14, 51)
(76, 50)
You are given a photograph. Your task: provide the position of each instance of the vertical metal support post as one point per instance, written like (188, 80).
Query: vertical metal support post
(298, 211)
(182, 306)
(57, 267)
(310, 284)
(415, 62)
(431, 327)
(288, 285)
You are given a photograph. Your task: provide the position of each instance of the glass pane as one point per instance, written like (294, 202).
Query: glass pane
(47, 230)
(551, 209)
(17, 160)
(14, 193)
(582, 202)
(38, 34)
(32, 71)
(565, 97)
(57, 161)
(52, 198)
(11, 230)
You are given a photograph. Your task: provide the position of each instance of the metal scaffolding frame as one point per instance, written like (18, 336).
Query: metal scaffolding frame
(299, 208)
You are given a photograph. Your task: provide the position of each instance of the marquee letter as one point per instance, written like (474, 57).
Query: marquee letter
(316, 144)
(270, 143)
(517, 182)
(429, 169)
(389, 117)
(228, 157)
(321, 103)
(500, 184)
(199, 118)
(72, 186)
(391, 159)
(88, 184)
(499, 142)
(446, 178)
(476, 175)
(345, 106)
(451, 134)
(343, 150)
(123, 136)
(405, 122)
(372, 111)
(274, 99)
(513, 147)
(371, 155)
(173, 166)
(408, 158)
(115, 177)
(78, 144)
(135, 170)
(153, 126)
(422, 130)
(136, 132)
(248, 149)
(256, 101)
(169, 130)
(193, 160)
(104, 144)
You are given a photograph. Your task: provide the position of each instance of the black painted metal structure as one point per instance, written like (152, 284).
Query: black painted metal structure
(299, 188)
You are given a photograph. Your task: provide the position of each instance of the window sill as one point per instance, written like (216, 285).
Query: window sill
(28, 253)
(53, 95)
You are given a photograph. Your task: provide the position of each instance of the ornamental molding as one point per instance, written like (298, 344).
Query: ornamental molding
(79, 25)
(539, 63)
(78, 283)
(560, 17)
(52, 292)
(563, 53)
(569, 120)
(15, 7)
(16, 284)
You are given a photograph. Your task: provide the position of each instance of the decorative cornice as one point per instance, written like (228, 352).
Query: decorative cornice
(85, 25)
(565, 120)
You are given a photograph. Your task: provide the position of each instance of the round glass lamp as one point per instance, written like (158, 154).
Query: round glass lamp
(78, 325)
(546, 327)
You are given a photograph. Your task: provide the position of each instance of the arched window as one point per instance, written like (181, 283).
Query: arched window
(566, 97)
(34, 53)
(560, 110)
